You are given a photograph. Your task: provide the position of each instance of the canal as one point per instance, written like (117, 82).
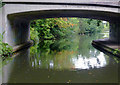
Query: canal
(68, 60)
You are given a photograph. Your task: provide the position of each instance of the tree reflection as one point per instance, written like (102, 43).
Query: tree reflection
(75, 52)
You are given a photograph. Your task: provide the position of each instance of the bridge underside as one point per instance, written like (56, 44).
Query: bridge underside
(17, 17)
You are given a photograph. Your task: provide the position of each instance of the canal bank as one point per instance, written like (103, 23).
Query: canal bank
(105, 45)
(22, 46)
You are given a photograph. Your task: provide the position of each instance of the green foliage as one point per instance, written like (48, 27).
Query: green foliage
(90, 26)
(116, 59)
(1, 4)
(34, 35)
(5, 49)
(56, 28)
(51, 28)
(116, 51)
(106, 26)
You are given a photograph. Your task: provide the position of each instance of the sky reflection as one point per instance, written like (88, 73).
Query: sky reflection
(88, 63)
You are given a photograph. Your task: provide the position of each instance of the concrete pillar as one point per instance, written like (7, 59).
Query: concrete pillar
(17, 31)
(1, 20)
(114, 34)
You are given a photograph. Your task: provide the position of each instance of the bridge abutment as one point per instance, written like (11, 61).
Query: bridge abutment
(114, 33)
(112, 44)
(17, 31)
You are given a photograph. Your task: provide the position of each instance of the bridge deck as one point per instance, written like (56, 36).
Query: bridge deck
(100, 2)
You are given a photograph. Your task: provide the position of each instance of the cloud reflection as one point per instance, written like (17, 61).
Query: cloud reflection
(88, 63)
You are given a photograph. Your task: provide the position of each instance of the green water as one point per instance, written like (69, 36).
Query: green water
(69, 60)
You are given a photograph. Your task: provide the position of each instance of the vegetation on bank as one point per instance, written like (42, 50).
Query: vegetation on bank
(89, 26)
(56, 28)
(50, 28)
(5, 49)
(116, 52)
(1, 4)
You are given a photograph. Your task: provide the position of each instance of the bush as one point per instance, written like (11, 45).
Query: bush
(5, 49)
(50, 28)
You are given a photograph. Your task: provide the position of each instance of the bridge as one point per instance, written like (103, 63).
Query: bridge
(17, 14)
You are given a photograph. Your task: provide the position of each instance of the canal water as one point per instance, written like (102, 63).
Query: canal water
(68, 60)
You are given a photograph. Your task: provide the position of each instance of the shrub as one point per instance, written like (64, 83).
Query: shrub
(5, 49)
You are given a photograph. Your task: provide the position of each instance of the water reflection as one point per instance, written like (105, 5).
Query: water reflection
(16, 66)
(61, 61)
(74, 53)
(88, 63)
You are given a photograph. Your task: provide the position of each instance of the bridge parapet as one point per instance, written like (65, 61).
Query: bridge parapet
(98, 2)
